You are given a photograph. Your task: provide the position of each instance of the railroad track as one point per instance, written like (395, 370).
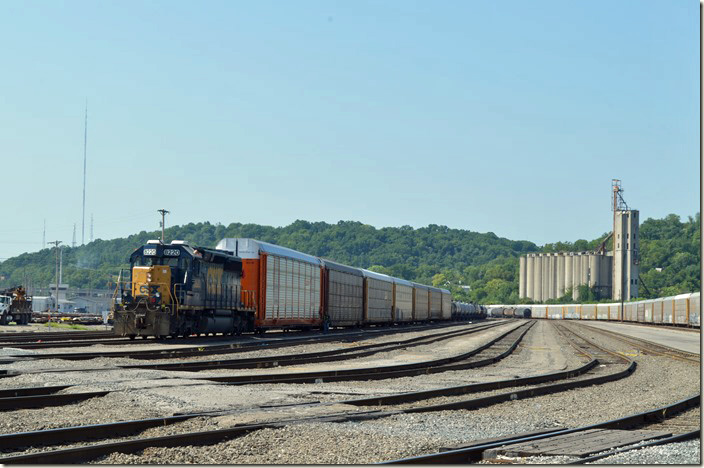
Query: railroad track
(69, 339)
(31, 337)
(669, 419)
(236, 348)
(476, 452)
(196, 347)
(650, 348)
(83, 453)
(322, 356)
(38, 397)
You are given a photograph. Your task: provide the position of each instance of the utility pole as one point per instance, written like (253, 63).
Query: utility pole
(44, 236)
(56, 248)
(73, 244)
(91, 227)
(163, 216)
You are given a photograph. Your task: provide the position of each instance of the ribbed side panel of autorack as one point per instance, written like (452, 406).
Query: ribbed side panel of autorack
(286, 283)
(343, 295)
(403, 300)
(420, 302)
(434, 303)
(378, 297)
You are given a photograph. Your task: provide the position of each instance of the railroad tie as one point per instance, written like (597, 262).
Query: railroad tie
(577, 444)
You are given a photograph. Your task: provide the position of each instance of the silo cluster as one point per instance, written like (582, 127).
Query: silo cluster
(551, 275)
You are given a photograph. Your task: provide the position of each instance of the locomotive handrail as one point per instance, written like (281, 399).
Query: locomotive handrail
(175, 301)
(249, 298)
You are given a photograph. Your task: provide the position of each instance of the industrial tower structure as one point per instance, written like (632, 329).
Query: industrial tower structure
(611, 274)
(625, 248)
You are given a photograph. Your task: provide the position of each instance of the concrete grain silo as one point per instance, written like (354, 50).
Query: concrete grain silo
(522, 277)
(569, 260)
(538, 278)
(530, 268)
(560, 275)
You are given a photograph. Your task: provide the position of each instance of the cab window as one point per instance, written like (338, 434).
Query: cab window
(144, 261)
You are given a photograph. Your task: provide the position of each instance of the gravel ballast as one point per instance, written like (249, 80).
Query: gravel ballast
(656, 382)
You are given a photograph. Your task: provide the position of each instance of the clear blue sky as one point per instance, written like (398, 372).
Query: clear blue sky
(510, 117)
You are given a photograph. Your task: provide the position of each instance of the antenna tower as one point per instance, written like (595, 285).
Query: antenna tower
(617, 201)
(85, 146)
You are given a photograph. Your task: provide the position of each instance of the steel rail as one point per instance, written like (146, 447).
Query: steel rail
(51, 336)
(75, 455)
(321, 356)
(649, 347)
(41, 398)
(97, 431)
(260, 362)
(666, 440)
(198, 349)
(369, 373)
(80, 454)
(473, 453)
(31, 343)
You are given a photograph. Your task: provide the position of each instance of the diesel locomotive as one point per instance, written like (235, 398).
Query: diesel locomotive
(178, 290)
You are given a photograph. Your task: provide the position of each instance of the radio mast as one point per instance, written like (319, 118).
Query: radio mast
(85, 145)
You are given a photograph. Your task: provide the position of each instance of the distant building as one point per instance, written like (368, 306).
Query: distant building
(546, 276)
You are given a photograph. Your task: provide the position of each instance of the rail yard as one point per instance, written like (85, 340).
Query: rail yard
(504, 390)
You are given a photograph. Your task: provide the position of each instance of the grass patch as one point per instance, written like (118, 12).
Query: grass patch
(72, 326)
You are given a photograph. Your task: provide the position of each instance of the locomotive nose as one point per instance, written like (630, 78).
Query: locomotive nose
(153, 283)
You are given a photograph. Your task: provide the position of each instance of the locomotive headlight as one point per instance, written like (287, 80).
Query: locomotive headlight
(149, 277)
(158, 294)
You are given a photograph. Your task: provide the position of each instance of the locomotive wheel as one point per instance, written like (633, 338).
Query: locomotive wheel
(132, 337)
(144, 337)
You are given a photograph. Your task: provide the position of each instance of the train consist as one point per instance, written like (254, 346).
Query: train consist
(509, 312)
(682, 310)
(246, 285)
(467, 311)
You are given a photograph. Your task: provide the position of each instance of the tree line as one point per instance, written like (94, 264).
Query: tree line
(476, 267)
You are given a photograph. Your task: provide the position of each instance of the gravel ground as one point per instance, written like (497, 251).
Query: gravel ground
(652, 385)
(679, 453)
(264, 352)
(374, 336)
(353, 442)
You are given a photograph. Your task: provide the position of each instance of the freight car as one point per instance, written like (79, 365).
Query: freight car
(246, 285)
(464, 311)
(510, 311)
(680, 310)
